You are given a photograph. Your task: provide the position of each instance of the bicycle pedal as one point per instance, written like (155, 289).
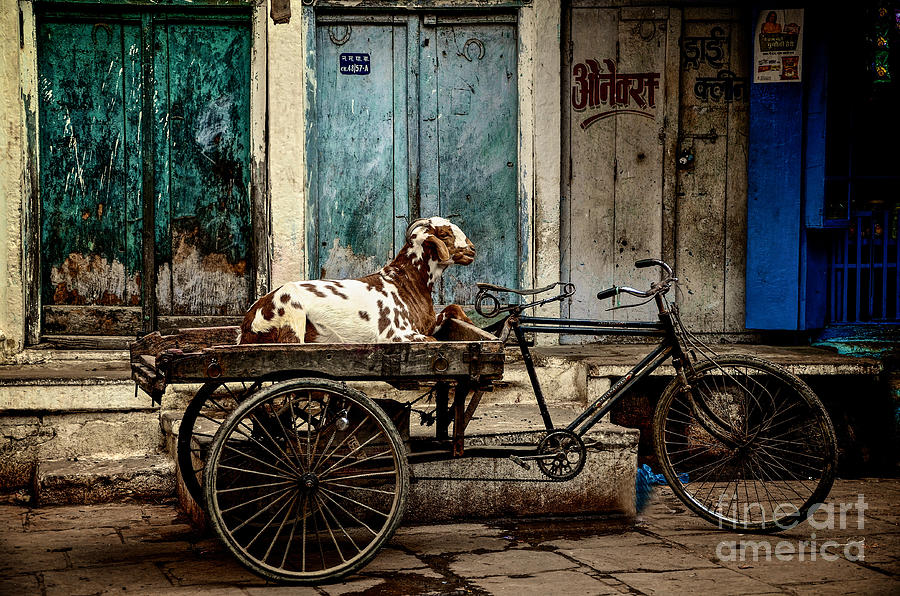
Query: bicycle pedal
(519, 462)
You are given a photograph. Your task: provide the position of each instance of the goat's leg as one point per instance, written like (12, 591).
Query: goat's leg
(452, 311)
(297, 323)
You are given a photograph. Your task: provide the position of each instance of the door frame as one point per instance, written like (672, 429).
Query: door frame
(259, 260)
(398, 12)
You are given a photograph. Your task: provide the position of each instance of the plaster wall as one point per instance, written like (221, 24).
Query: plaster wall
(12, 176)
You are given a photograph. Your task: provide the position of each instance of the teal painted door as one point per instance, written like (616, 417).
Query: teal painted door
(362, 150)
(426, 125)
(93, 167)
(202, 111)
(469, 173)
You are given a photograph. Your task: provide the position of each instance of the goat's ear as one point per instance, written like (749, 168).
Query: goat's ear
(443, 253)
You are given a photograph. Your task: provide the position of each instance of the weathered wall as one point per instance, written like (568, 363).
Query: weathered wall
(286, 157)
(11, 179)
(291, 74)
(541, 30)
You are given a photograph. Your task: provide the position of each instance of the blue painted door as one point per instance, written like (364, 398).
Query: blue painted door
(468, 166)
(415, 116)
(361, 163)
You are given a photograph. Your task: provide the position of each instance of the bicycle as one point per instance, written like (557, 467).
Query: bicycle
(741, 441)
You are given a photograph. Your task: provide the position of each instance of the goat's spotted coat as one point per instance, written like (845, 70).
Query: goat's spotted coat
(393, 304)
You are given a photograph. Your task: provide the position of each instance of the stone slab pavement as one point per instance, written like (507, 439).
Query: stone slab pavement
(151, 549)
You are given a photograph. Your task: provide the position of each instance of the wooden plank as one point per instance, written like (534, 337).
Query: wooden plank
(134, 211)
(91, 320)
(672, 131)
(701, 208)
(311, 141)
(150, 300)
(84, 342)
(400, 143)
(259, 265)
(157, 157)
(434, 360)
(736, 185)
(477, 151)
(153, 3)
(187, 340)
(592, 177)
(456, 330)
(209, 128)
(429, 189)
(167, 323)
(355, 160)
(639, 168)
(31, 206)
(413, 116)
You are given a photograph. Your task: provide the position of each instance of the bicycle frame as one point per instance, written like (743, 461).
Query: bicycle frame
(669, 346)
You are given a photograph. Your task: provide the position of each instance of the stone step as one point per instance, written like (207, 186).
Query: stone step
(29, 438)
(101, 480)
(498, 487)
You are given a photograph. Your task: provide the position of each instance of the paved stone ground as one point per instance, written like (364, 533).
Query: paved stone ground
(151, 549)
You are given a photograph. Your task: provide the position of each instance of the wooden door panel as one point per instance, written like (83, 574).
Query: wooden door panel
(361, 115)
(617, 131)
(87, 256)
(209, 180)
(93, 165)
(476, 151)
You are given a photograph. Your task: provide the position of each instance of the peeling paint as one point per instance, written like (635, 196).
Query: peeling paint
(91, 279)
(206, 283)
(343, 263)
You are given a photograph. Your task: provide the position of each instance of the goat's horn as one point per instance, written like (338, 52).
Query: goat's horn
(416, 223)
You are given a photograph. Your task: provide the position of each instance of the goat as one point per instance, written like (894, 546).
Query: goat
(393, 304)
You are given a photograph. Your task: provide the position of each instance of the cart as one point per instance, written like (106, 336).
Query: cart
(303, 477)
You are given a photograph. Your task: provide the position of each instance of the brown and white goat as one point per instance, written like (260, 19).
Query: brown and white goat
(393, 304)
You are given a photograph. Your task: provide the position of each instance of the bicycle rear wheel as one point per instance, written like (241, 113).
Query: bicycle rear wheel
(749, 447)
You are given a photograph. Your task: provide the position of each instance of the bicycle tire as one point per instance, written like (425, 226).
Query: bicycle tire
(355, 487)
(754, 425)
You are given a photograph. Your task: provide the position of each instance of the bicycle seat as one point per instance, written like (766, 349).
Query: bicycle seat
(495, 288)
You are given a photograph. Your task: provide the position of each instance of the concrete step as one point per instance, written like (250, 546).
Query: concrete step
(472, 488)
(102, 480)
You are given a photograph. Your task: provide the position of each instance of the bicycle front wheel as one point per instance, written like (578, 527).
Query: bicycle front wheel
(748, 447)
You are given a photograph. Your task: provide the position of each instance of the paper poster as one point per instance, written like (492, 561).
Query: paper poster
(778, 46)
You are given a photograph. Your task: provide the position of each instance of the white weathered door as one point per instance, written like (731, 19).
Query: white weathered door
(621, 128)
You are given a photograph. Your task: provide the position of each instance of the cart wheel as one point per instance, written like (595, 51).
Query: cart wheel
(306, 480)
(748, 447)
(202, 418)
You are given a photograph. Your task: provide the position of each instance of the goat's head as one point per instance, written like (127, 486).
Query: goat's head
(449, 242)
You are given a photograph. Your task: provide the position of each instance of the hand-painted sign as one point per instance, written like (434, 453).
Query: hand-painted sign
(725, 85)
(354, 64)
(594, 89)
(695, 50)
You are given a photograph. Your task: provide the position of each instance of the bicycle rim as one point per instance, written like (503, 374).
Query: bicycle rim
(749, 447)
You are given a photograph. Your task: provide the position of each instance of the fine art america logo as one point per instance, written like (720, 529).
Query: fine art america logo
(847, 517)
(619, 93)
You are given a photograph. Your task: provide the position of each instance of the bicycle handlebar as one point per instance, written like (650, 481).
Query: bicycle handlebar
(655, 287)
(487, 305)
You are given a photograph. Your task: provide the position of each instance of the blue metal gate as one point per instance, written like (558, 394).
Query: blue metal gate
(864, 276)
